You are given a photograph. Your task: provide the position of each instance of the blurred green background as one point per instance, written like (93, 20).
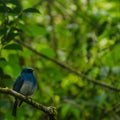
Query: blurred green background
(83, 34)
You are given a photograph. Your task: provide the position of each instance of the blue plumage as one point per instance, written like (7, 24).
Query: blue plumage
(25, 84)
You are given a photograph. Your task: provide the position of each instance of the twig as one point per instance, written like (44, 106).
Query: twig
(51, 111)
(68, 68)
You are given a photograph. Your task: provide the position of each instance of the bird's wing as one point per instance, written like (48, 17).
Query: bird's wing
(18, 83)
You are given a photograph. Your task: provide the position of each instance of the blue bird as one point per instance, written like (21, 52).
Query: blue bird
(25, 84)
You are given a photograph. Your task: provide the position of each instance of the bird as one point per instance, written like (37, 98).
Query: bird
(26, 84)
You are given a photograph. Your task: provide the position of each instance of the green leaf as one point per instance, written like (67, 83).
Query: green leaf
(36, 30)
(4, 9)
(2, 59)
(13, 67)
(46, 50)
(31, 10)
(76, 112)
(65, 110)
(10, 35)
(33, 30)
(3, 62)
(13, 47)
(54, 72)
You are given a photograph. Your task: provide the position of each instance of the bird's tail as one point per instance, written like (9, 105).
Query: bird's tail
(15, 107)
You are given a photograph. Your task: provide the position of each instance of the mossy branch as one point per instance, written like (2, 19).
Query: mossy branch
(70, 69)
(51, 110)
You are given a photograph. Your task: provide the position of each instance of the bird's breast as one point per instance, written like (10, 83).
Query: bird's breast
(27, 88)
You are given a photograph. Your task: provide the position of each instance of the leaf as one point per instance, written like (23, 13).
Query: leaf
(76, 112)
(3, 62)
(2, 59)
(9, 35)
(7, 76)
(65, 110)
(31, 10)
(13, 68)
(46, 50)
(36, 30)
(13, 47)
(4, 9)
(33, 30)
(54, 72)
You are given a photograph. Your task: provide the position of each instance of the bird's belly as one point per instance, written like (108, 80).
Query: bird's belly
(27, 88)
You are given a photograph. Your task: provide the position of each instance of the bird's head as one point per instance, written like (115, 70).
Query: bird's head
(27, 70)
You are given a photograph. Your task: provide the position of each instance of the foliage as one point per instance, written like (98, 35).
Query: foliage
(83, 34)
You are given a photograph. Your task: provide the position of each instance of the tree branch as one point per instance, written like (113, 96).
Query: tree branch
(51, 111)
(68, 68)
